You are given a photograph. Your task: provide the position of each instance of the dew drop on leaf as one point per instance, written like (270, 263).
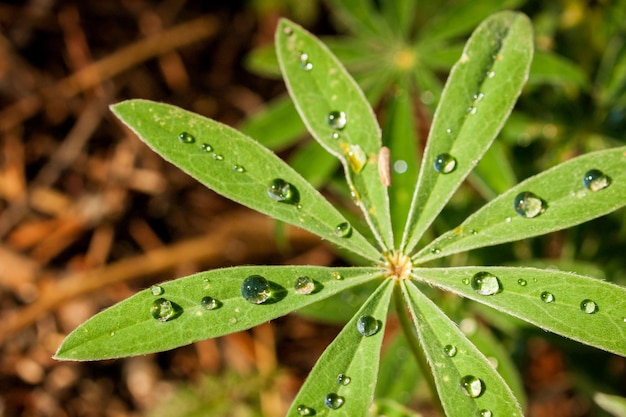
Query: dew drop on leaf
(156, 290)
(484, 283)
(522, 282)
(589, 306)
(337, 276)
(283, 192)
(343, 230)
(305, 64)
(287, 31)
(491, 74)
(465, 281)
(528, 205)
(335, 135)
(435, 251)
(333, 401)
(595, 180)
(367, 325)
(343, 379)
(472, 386)
(449, 350)
(162, 309)
(304, 285)
(547, 297)
(217, 157)
(209, 303)
(337, 120)
(239, 168)
(206, 147)
(303, 410)
(485, 413)
(444, 163)
(185, 137)
(255, 289)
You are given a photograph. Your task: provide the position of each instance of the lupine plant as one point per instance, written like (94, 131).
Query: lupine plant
(478, 97)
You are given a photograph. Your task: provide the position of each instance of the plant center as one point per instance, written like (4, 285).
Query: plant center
(397, 265)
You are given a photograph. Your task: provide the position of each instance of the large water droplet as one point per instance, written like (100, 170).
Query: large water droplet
(343, 230)
(156, 290)
(162, 309)
(472, 387)
(283, 192)
(303, 410)
(595, 180)
(305, 64)
(485, 283)
(444, 163)
(547, 297)
(333, 401)
(304, 285)
(256, 289)
(343, 379)
(185, 137)
(367, 325)
(449, 350)
(528, 205)
(589, 306)
(209, 303)
(485, 413)
(337, 120)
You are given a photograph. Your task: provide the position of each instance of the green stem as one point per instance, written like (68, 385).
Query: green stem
(406, 322)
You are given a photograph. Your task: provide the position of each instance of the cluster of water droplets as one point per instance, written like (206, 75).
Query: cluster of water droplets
(188, 138)
(470, 385)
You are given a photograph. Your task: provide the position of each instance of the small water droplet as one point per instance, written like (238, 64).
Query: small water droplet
(335, 135)
(156, 290)
(162, 309)
(343, 379)
(471, 110)
(333, 401)
(448, 131)
(589, 306)
(435, 250)
(491, 74)
(305, 64)
(528, 205)
(185, 137)
(478, 96)
(303, 410)
(343, 230)
(547, 297)
(485, 283)
(283, 192)
(449, 350)
(239, 168)
(256, 289)
(232, 320)
(337, 276)
(206, 147)
(507, 220)
(472, 387)
(367, 325)
(465, 281)
(485, 413)
(595, 180)
(304, 285)
(209, 303)
(444, 163)
(217, 157)
(337, 120)
(522, 282)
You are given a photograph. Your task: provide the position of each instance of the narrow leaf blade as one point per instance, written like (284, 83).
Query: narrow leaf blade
(129, 328)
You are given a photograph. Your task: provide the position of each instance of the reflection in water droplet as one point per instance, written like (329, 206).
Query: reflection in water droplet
(337, 276)
(256, 289)
(465, 281)
(472, 387)
(209, 303)
(485, 413)
(547, 297)
(343, 379)
(449, 351)
(435, 250)
(367, 325)
(206, 147)
(485, 283)
(522, 282)
(239, 168)
(343, 230)
(444, 163)
(283, 192)
(589, 306)
(595, 180)
(162, 309)
(333, 401)
(528, 205)
(305, 64)
(156, 290)
(304, 285)
(337, 120)
(185, 137)
(217, 157)
(303, 410)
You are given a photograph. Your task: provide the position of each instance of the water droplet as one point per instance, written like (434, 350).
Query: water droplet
(209, 303)
(595, 180)
(335, 135)
(472, 387)
(206, 147)
(239, 168)
(333, 401)
(547, 297)
(485, 413)
(337, 120)
(185, 137)
(471, 110)
(507, 220)
(444, 163)
(303, 410)
(478, 96)
(217, 157)
(522, 282)
(287, 30)
(491, 74)
(162, 309)
(255, 289)
(283, 192)
(367, 325)
(337, 276)
(528, 205)
(304, 285)
(305, 64)
(485, 283)
(355, 155)
(449, 350)
(589, 306)
(435, 251)
(343, 230)
(343, 379)
(448, 131)
(465, 281)
(156, 290)
(232, 320)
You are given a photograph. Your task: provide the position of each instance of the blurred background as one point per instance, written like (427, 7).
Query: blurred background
(89, 215)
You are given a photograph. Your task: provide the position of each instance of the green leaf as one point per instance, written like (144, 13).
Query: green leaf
(361, 17)
(440, 337)
(238, 168)
(479, 95)
(560, 302)
(565, 202)
(494, 174)
(399, 373)
(128, 328)
(313, 163)
(400, 16)
(322, 89)
(390, 408)
(553, 69)
(262, 61)
(353, 355)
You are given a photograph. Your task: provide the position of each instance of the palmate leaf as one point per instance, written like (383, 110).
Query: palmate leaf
(338, 115)
(351, 355)
(562, 200)
(467, 383)
(238, 168)
(479, 95)
(129, 327)
(585, 309)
